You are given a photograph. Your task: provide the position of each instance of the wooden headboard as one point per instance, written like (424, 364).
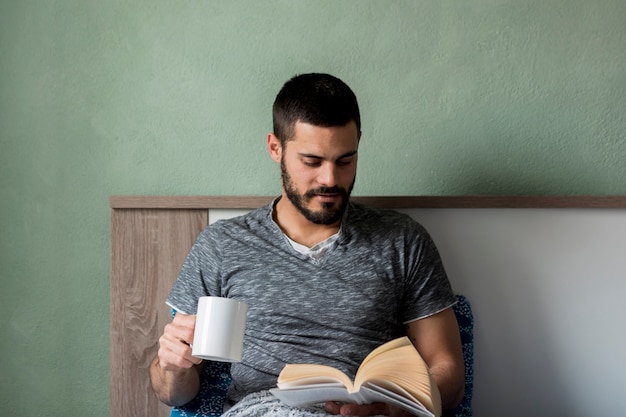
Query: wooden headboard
(150, 238)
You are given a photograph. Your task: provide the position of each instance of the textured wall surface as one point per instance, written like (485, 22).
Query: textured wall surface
(159, 97)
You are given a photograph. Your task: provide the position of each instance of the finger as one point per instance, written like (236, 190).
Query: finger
(181, 329)
(186, 320)
(332, 407)
(175, 353)
(364, 410)
(172, 361)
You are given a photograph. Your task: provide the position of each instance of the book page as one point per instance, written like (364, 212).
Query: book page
(316, 394)
(294, 375)
(391, 345)
(398, 366)
(392, 373)
(375, 393)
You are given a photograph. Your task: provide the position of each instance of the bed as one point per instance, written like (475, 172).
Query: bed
(150, 237)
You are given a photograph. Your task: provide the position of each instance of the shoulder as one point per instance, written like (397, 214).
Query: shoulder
(255, 222)
(255, 216)
(367, 218)
(385, 228)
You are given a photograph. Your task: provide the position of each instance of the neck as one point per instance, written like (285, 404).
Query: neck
(298, 228)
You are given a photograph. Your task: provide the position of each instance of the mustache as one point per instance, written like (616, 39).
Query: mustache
(326, 190)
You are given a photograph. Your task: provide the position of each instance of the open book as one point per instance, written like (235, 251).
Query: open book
(393, 373)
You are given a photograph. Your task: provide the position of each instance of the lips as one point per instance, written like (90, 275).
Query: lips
(327, 197)
(326, 192)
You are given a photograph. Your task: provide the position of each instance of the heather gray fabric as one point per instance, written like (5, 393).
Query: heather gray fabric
(382, 272)
(263, 403)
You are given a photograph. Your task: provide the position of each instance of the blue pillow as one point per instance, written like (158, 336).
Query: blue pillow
(214, 383)
(463, 311)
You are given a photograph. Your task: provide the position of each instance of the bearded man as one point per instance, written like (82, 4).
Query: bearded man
(326, 280)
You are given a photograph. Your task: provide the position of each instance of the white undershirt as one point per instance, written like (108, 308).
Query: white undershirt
(316, 251)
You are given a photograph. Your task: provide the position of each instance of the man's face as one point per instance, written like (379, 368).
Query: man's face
(318, 170)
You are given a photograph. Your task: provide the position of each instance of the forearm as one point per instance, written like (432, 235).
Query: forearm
(438, 340)
(174, 388)
(450, 381)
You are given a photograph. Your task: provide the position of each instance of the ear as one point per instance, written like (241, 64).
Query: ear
(274, 147)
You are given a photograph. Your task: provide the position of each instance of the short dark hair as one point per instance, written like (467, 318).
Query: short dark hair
(316, 99)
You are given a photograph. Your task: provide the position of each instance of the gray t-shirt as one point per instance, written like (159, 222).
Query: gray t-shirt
(382, 272)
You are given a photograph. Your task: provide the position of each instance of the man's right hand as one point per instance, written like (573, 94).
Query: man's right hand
(175, 344)
(174, 373)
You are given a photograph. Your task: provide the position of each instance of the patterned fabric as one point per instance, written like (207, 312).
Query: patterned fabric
(216, 379)
(209, 402)
(263, 403)
(464, 316)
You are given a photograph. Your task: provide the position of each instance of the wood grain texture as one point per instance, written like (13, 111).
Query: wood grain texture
(148, 248)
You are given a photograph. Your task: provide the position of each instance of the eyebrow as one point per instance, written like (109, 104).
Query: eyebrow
(345, 155)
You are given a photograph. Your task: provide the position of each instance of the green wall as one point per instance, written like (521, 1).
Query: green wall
(101, 98)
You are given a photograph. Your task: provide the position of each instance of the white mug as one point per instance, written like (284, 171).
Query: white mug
(220, 326)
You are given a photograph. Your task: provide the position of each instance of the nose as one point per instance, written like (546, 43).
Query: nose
(328, 175)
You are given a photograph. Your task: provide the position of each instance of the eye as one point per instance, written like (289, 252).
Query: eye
(311, 162)
(344, 162)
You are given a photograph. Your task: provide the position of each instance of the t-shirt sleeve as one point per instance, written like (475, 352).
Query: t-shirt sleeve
(198, 275)
(427, 288)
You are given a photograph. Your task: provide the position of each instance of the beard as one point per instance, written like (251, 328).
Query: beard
(330, 213)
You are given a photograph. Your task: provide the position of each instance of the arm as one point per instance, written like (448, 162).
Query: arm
(438, 341)
(174, 373)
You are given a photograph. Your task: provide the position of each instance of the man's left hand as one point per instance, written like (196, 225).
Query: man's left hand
(375, 409)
